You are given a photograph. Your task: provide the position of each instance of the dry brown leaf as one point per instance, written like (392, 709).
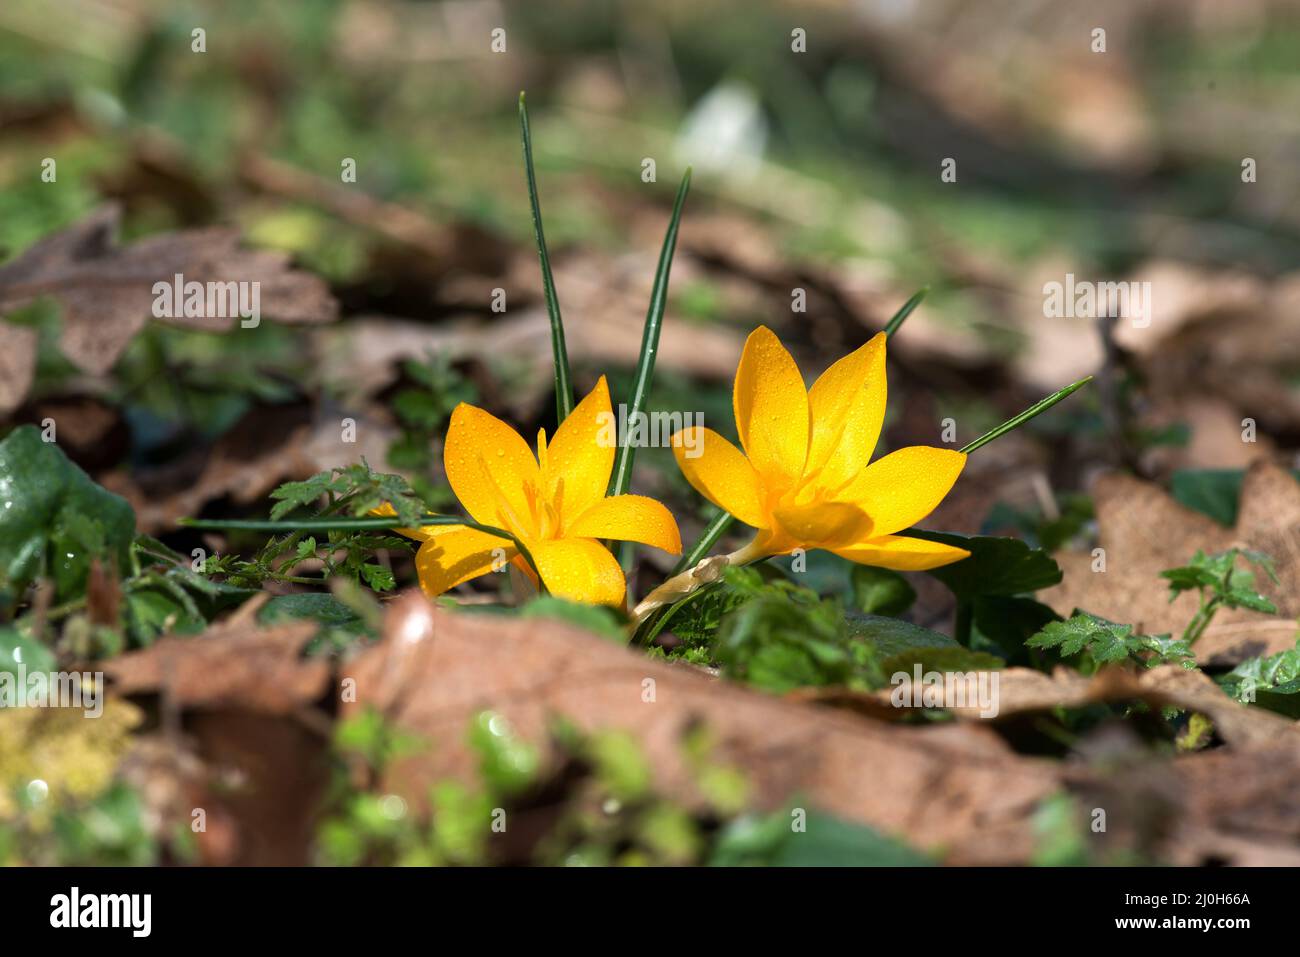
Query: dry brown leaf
(956, 787)
(106, 290)
(17, 364)
(229, 667)
(1234, 806)
(1144, 531)
(1024, 689)
(262, 450)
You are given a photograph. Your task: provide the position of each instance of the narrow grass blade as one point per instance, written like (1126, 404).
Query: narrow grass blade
(563, 380)
(645, 366)
(907, 309)
(704, 544)
(1035, 409)
(375, 523)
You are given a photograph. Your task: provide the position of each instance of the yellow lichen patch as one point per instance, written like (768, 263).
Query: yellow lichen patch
(59, 756)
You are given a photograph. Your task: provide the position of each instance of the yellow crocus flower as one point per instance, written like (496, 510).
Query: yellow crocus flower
(803, 479)
(554, 503)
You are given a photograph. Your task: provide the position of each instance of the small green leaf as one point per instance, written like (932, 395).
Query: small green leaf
(507, 763)
(316, 606)
(1003, 625)
(54, 519)
(596, 619)
(822, 841)
(378, 577)
(889, 636)
(1212, 492)
(20, 650)
(1272, 682)
(996, 566)
(879, 591)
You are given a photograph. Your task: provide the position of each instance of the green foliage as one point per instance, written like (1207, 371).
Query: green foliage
(1100, 642)
(600, 805)
(796, 838)
(171, 598)
(1062, 837)
(1218, 577)
(423, 410)
(109, 830)
(1212, 492)
(353, 491)
(1003, 625)
(18, 648)
(996, 566)
(54, 520)
(901, 646)
(506, 763)
(1221, 583)
(340, 625)
(597, 619)
(1075, 510)
(1272, 682)
(880, 591)
(782, 636)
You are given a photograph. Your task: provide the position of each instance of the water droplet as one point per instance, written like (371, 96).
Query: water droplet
(37, 791)
(392, 807)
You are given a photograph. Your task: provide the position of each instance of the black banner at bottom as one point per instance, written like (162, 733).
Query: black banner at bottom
(215, 906)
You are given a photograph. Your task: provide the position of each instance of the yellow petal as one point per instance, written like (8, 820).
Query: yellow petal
(454, 554)
(488, 467)
(771, 406)
(579, 569)
(822, 524)
(420, 533)
(904, 487)
(848, 409)
(629, 518)
(902, 554)
(581, 455)
(718, 471)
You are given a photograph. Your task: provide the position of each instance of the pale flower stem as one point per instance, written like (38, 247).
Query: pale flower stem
(706, 571)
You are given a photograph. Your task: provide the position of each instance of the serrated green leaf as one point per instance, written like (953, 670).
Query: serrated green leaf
(1106, 641)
